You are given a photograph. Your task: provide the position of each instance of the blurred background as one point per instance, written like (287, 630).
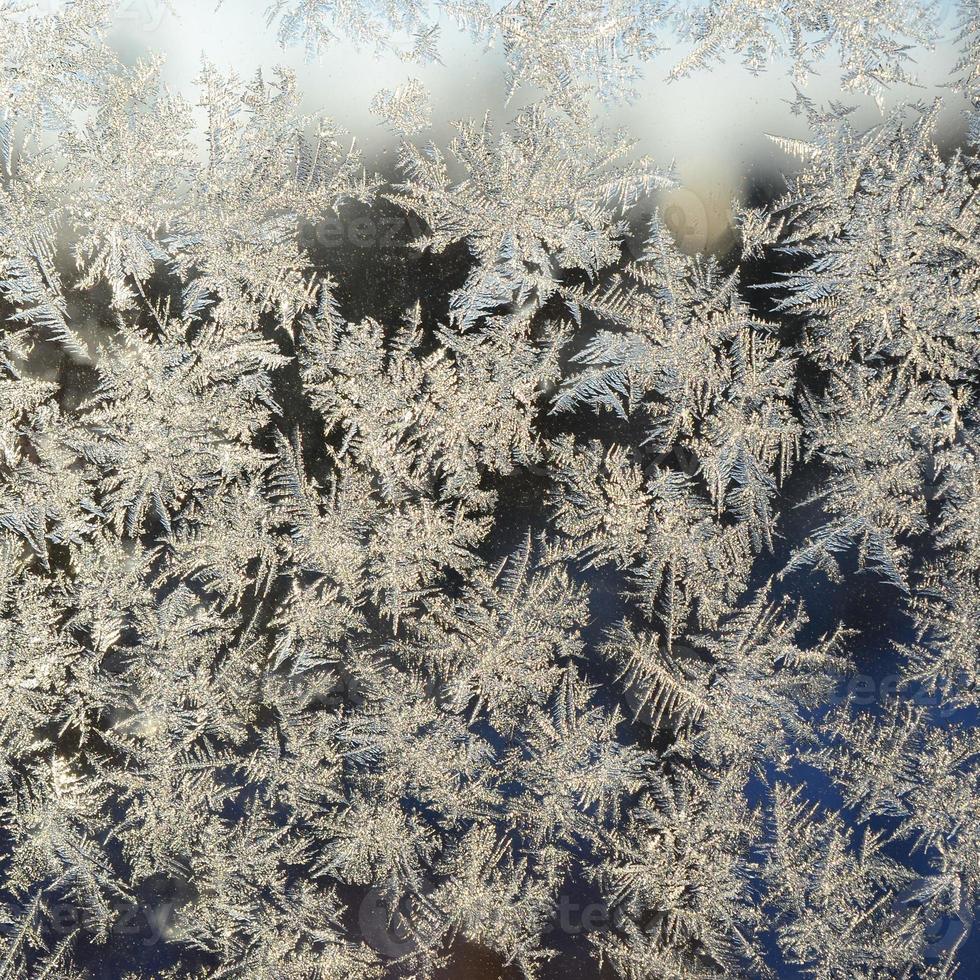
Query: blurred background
(712, 125)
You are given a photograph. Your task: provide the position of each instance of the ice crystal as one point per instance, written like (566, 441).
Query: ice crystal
(355, 621)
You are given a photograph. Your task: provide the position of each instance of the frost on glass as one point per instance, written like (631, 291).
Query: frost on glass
(593, 607)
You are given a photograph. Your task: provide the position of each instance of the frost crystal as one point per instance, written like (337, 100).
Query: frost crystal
(531, 594)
